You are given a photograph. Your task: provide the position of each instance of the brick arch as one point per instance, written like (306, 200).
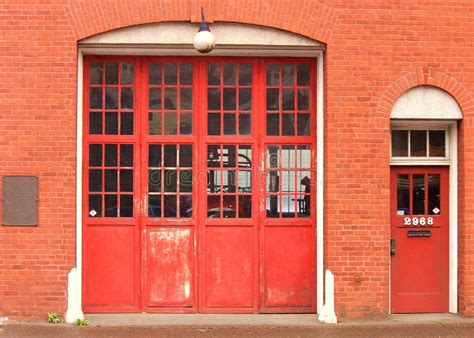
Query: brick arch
(313, 19)
(425, 76)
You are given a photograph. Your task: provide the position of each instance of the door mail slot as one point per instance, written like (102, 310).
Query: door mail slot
(419, 233)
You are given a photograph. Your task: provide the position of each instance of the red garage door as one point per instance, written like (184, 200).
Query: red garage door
(199, 185)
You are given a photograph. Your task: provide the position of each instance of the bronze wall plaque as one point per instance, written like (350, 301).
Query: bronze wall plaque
(20, 200)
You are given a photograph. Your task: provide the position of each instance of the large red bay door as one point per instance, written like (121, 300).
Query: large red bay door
(199, 189)
(419, 239)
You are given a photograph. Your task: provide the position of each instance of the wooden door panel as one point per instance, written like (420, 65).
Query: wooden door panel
(111, 267)
(230, 267)
(169, 266)
(288, 267)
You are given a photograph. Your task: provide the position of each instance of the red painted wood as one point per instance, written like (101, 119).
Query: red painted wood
(420, 266)
(201, 263)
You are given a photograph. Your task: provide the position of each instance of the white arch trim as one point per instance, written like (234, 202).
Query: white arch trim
(426, 102)
(176, 39)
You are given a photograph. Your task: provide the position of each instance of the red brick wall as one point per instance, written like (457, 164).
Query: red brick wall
(375, 51)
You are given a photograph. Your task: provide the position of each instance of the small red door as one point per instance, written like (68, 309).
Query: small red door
(419, 244)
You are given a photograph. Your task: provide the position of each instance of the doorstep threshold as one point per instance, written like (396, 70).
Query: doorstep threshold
(199, 319)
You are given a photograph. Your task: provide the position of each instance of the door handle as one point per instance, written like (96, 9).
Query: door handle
(392, 247)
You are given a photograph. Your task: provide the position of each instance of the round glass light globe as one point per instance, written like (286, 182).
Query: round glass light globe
(204, 41)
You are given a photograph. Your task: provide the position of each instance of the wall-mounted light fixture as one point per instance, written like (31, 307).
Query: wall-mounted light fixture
(204, 40)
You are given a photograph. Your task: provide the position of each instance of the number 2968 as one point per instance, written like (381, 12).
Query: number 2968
(418, 221)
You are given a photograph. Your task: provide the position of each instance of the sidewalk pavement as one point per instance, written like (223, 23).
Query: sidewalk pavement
(198, 325)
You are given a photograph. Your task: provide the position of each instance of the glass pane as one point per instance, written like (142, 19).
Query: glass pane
(95, 123)
(245, 156)
(303, 99)
(126, 205)
(186, 96)
(288, 99)
(229, 98)
(127, 73)
(110, 205)
(245, 206)
(229, 74)
(186, 156)
(304, 156)
(95, 155)
(126, 155)
(111, 155)
(273, 206)
(434, 204)
(288, 124)
(213, 206)
(126, 123)
(273, 181)
(154, 73)
(171, 73)
(95, 180)
(213, 159)
(170, 206)
(229, 155)
(170, 125)
(273, 99)
(273, 160)
(229, 124)
(171, 98)
(288, 206)
(213, 123)
(95, 205)
(288, 156)
(273, 124)
(229, 207)
(214, 74)
(186, 74)
(245, 98)
(95, 73)
(273, 75)
(437, 141)
(186, 124)
(154, 98)
(228, 181)
(303, 124)
(170, 180)
(245, 75)
(154, 180)
(288, 181)
(186, 181)
(213, 181)
(95, 98)
(126, 98)
(154, 205)
(244, 124)
(418, 194)
(245, 181)
(170, 155)
(111, 73)
(418, 143)
(111, 98)
(126, 180)
(288, 75)
(214, 99)
(303, 206)
(154, 155)
(154, 123)
(303, 75)
(303, 179)
(111, 123)
(403, 195)
(185, 206)
(111, 180)
(400, 143)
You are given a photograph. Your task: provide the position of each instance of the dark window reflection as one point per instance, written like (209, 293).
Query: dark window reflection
(418, 194)
(434, 206)
(403, 195)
